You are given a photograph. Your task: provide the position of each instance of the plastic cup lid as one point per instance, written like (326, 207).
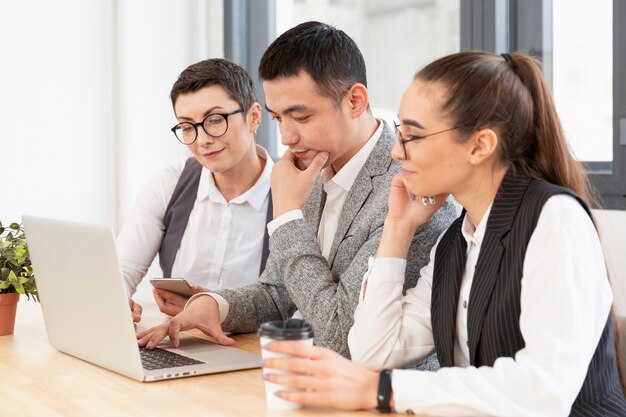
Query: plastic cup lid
(292, 329)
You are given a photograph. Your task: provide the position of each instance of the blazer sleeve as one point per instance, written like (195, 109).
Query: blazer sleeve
(297, 276)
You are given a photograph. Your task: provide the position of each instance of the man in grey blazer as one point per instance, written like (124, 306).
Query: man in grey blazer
(326, 226)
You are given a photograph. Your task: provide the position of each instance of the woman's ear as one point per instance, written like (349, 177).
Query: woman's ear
(254, 117)
(358, 99)
(482, 145)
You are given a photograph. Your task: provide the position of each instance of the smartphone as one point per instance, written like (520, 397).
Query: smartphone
(177, 285)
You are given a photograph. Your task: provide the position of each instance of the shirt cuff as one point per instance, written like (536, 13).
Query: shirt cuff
(284, 218)
(221, 303)
(405, 385)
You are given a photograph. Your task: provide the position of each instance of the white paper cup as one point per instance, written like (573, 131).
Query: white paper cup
(292, 330)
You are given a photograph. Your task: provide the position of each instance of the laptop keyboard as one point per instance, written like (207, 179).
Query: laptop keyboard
(160, 359)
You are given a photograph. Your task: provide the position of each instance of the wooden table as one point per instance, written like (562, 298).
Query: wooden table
(37, 380)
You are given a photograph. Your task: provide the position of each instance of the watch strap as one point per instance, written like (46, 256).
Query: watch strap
(384, 391)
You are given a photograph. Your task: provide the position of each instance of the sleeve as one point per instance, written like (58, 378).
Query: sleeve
(390, 330)
(140, 239)
(243, 309)
(325, 300)
(285, 218)
(565, 302)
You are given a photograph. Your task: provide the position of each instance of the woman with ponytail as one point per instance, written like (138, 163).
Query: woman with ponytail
(515, 300)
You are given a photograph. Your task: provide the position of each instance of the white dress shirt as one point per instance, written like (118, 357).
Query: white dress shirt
(565, 302)
(336, 185)
(223, 241)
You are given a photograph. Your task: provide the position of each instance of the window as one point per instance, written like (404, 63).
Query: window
(582, 76)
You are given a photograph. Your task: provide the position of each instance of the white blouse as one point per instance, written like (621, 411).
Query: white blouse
(565, 302)
(223, 241)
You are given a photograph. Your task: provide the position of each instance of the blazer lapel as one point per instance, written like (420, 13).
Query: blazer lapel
(377, 164)
(449, 266)
(503, 212)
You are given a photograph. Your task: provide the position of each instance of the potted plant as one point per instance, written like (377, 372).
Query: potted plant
(16, 274)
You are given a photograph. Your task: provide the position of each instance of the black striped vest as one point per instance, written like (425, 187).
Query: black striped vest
(177, 215)
(494, 308)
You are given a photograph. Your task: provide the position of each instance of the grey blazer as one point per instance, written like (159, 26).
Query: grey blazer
(298, 277)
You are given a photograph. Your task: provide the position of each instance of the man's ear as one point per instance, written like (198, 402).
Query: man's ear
(482, 145)
(358, 99)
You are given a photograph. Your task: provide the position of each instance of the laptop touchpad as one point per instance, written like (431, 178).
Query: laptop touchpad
(191, 344)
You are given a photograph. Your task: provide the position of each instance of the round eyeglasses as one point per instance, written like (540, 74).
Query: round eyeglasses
(402, 141)
(214, 125)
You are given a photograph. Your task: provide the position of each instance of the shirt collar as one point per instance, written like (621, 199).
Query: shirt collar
(348, 173)
(476, 235)
(255, 196)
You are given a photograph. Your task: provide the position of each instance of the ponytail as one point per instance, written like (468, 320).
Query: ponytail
(553, 160)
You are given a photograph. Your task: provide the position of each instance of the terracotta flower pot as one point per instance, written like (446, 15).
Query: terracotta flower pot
(8, 307)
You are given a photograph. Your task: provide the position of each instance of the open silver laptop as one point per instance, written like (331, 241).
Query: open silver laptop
(85, 307)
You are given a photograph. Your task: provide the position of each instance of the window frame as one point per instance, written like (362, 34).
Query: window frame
(249, 28)
(526, 25)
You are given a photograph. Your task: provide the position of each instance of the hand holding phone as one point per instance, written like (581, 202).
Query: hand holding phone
(176, 285)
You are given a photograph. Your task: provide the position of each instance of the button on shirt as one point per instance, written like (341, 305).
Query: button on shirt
(223, 241)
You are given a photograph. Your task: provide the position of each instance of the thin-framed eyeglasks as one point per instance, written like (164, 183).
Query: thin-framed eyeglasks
(402, 141)
(214, 125)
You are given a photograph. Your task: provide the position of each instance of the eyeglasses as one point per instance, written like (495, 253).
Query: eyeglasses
(214, 125)
(402, 141)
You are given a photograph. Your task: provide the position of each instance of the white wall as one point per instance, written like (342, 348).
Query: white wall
(84, 108)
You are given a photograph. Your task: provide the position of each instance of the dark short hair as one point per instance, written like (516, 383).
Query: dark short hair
(326, 53)
(228, 75)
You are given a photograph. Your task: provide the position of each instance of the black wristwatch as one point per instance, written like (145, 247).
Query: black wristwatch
(384, 391)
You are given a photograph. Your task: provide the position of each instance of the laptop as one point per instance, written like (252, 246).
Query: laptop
(86, 312)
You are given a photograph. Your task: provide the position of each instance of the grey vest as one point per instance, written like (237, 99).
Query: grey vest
(177, 215)
(494, 309)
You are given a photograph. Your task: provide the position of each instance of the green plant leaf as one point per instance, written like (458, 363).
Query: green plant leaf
(16, 272)
(12, 276)
(16, 282)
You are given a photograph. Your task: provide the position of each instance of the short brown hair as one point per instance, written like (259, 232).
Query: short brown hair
(228, 75)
